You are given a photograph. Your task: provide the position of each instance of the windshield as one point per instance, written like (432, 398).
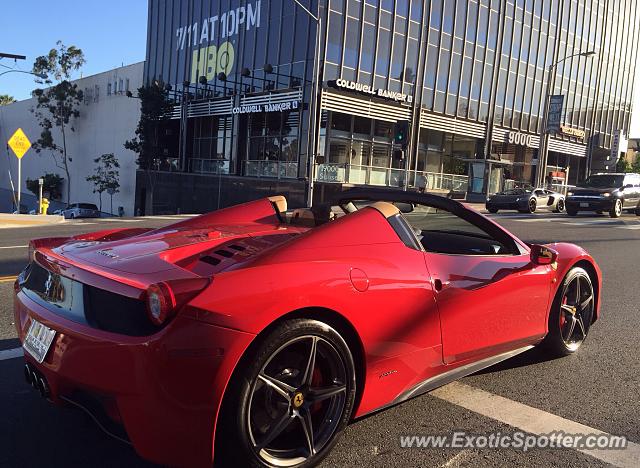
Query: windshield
(516, 192)
(603, 181)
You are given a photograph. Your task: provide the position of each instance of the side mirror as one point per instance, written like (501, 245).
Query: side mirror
(541, 255)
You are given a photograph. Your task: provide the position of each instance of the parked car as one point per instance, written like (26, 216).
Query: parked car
(526, 200)
(256, 334)
(81, 210)
(611, 193)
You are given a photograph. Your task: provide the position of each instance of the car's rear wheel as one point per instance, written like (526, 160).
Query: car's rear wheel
(290, 405)
(571, 314)
(616, 210)
(492, 210)
(533, 204)
(559, 206)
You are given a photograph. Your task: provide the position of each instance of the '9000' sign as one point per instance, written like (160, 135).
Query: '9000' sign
(521, 139)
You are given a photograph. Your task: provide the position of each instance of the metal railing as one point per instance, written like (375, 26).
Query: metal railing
(272, 169)
(390, 177)
(209, 166)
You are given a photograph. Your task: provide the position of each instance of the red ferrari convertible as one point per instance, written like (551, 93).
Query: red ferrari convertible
(256, 334)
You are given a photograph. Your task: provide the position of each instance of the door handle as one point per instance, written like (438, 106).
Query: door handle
(437, 284)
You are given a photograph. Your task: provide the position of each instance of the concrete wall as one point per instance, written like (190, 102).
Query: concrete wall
(107, 119)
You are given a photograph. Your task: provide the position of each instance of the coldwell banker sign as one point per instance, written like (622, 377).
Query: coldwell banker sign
(370, 90)
(275, 107)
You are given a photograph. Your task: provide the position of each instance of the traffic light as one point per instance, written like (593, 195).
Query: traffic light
(402, 133)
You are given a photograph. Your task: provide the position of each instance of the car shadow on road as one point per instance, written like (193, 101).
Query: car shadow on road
(37, 433)
(533, 356)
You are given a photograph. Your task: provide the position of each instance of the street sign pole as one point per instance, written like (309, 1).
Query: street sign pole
(19, 181)
(20, 144)
(41, 184)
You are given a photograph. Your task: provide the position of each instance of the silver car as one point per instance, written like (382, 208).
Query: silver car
(81, 210)
(526, 200)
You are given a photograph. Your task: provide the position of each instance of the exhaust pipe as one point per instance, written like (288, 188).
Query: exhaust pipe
(43, 387)
(27, 373)
(37, 380)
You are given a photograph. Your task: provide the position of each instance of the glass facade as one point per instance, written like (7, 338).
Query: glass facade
(470, 73)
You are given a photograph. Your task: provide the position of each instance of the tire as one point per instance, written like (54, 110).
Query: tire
(492, 210)
(260, 425)
(559, 206)
(532, 206)
(571, 211)
(562, 338)
(72, 216)
(616, 211)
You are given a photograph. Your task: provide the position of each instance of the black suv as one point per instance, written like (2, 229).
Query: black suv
(605, 192)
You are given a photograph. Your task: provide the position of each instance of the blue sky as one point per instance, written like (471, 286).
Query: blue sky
(109, 33)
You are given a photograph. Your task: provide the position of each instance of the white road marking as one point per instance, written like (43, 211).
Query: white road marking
(171, 216)
(14, 247)
(120, 220)
(460, 457)
(11, 354)
(532, 420)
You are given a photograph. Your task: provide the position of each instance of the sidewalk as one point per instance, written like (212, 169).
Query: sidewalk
(23, 220)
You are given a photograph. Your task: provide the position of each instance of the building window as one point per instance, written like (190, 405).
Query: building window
(108, 89)
(272, 149)
(212, 139)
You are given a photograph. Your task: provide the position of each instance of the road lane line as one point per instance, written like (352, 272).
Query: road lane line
(532, 420)
(14, 247)
(11, 354)
(7, 279)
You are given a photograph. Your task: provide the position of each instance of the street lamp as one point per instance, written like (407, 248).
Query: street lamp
(544, 140)
(314, 102)
(38, 75)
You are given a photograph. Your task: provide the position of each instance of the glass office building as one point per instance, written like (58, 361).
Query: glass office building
(470, 77)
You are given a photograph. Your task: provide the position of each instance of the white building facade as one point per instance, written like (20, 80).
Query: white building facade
(107, 119)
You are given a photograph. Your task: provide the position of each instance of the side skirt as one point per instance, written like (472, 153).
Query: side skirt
(449, 376)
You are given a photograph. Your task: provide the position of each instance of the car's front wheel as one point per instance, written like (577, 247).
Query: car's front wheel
(616, 210)
(571, 314)
(533, 204)
(492, 210)
(559, 206)
(293, 400)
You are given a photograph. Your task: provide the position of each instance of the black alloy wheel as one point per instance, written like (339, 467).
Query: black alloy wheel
(289, 407)
(533, 204)
(571, 314)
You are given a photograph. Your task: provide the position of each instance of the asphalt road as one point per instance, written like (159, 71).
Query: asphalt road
(597, 387)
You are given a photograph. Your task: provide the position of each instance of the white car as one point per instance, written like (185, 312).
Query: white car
(81, 210)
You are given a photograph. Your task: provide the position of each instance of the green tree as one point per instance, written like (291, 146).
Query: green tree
(52, 184)
(57, 104)
(148, 143)
(6, 99)
(623, 165)
(106, 177)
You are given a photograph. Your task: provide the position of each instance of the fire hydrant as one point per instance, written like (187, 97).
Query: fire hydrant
(44, 206)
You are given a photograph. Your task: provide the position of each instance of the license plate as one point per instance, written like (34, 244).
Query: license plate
(38, 340)
(584, 205)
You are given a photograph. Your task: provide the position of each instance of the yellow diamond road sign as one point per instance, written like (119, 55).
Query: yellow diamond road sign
(19, 143)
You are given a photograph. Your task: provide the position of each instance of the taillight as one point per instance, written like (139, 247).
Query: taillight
(165, 299)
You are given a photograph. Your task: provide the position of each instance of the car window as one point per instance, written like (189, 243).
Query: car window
(441, 231)
(87, 206)
(539, 193)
